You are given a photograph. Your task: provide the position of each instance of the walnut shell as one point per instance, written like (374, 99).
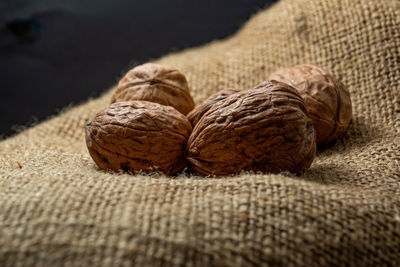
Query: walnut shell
(155, 83)
(327, 99)
(265, 129)
(138, 136)
(195, 115)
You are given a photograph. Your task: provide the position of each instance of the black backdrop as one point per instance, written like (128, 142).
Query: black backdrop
(61, 52)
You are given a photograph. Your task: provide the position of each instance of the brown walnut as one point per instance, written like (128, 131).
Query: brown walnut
(195, 115)
(327, 100)
(155, 83)
(265, 129)
(138, 136)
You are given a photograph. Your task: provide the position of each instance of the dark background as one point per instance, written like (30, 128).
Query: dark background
(55, 53)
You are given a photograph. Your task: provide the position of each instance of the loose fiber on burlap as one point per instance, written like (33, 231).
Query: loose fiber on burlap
(58, 208)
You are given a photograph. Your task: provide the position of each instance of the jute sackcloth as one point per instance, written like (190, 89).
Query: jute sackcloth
(57, 208)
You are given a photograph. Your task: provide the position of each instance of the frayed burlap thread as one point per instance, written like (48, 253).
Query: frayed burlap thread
(58, 209)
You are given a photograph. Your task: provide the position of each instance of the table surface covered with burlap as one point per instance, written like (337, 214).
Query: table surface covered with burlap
(58, 208)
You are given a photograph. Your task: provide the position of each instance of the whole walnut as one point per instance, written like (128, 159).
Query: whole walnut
(195, 115)
(265, 129)
(138, 136)
(327, 100)
(155, 83)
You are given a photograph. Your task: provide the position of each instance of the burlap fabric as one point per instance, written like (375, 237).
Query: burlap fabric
(58, 208)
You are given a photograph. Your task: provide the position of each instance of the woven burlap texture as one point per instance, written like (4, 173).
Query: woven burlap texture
(57, 208)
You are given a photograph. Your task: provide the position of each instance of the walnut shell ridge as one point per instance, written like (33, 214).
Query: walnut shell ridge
(326, 98)
(155, 83)
(264, 129)
(138, 136)
(195, 115)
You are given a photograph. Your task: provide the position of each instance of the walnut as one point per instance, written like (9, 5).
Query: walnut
(265, 129)
(155, 83)
(327, 100)
(138, 136)
(195, 115)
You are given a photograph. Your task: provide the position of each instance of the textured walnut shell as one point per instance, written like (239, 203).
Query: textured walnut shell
(195, 115)
(138, 136)
(327, 100)
(155, 83)
(263, 129)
